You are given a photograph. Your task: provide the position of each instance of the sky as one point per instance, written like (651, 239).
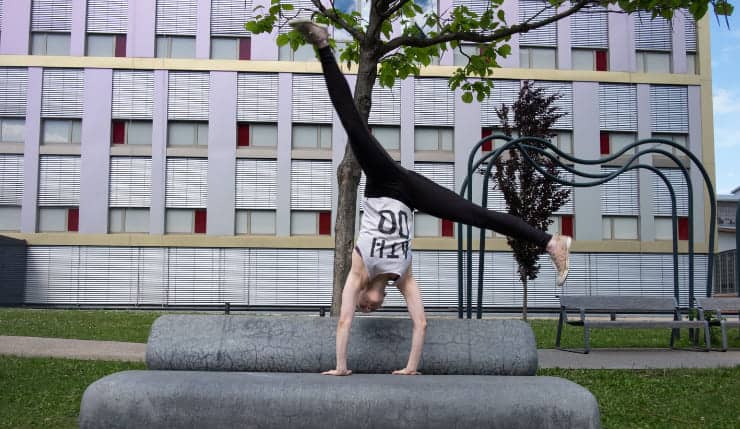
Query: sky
(726, 101)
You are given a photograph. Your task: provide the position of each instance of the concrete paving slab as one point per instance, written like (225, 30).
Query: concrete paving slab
(72, 349)
(637, 359)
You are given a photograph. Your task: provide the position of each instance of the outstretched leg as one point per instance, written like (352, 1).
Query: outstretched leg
(374, 160)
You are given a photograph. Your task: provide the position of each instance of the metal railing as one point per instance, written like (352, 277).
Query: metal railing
(551, 152)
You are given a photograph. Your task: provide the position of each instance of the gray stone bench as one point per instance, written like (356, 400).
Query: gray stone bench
(228, 371)
(178, 399)
(587, 305)
(721, 308)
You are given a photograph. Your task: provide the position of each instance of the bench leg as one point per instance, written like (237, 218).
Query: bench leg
(674, 335)
(560, 330)
(586, 339)
(723, 329)
(707, 337)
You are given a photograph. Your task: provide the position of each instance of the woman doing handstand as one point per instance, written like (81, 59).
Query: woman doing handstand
(383, 249)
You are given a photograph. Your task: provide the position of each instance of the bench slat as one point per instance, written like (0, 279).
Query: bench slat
(618, 303)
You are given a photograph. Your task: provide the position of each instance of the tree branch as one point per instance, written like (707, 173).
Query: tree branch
(393, 9)
(477, 37)
(332, 16)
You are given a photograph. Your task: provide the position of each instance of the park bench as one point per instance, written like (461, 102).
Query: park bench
(720, 307)
(613, 305)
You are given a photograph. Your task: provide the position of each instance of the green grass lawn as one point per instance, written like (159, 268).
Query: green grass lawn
(134, 326)
(46, 393)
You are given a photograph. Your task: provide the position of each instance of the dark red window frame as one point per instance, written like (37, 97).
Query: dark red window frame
(120, 45)
(201, 217)
(566, 225)
(604, 143)
(73, 219)
(602, 60)
(118, 131)
(242, 134)
(683, 228)
(245, 48)
(448, 229)
(324, 223)
(487, 146)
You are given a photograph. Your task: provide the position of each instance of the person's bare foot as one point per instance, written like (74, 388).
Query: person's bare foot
(315, 34)
(559, 250)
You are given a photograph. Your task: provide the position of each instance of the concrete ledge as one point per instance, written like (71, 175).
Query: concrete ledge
(179, 399)
(306, 344)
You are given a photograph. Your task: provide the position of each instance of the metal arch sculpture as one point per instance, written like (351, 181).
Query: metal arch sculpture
(553, 153)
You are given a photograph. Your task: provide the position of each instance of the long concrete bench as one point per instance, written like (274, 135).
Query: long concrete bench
(587, 305)
(229, 371)
(307, 344)
(199, 399)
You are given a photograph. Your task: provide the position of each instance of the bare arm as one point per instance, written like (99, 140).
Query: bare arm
(350, 295)
(410, 291)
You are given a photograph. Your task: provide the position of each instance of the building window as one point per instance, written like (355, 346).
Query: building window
(10, 218)
(304, 53)
(231, 48)
(461, 54)
(59, 219)
(664, 228)
(433, 139)
(175, 47)
(106, 45)
(589, 59)
(429, 226)
(187, 133)
(128, 219)
(389, 137)
(653, 62)
(611, 142)
(563, 140)
(692, 67)
(680, 139)
(256, 135)
(12, 130)
(255, 222)
(50, 43)
(619, 228)
(311, 136)
(62, 131)
(185, 221)
(124, 131)
(562, 224)
(537, 58)
(310, 223)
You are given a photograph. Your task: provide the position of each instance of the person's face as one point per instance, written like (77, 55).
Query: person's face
(371, 299)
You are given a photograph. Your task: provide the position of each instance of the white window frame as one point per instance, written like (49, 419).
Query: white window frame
(388, 136)
(111, 39)
(51, 210)
(609, 230)
(527, 57)
(244, 222)
(235, 48)
(304, 53)
(164, 46)
(199, 133)
(644, 65)
(618, 140)
(4, 122)
(8, 213)
(445, 137)
(125, 214)
(128, 123)
(74, 131)
(323, 136)
(40, 43)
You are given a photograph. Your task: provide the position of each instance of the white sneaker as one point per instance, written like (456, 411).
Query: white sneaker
(561, 257)
(315, 34)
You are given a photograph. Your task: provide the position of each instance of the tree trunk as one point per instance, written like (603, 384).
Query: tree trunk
(524, 303)
(348, 178)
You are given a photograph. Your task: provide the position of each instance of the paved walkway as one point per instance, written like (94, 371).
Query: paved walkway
(548, 358)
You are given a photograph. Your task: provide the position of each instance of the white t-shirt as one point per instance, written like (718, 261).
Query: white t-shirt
(385, 236)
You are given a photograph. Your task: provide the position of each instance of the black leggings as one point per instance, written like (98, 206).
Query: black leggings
(386, 178)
